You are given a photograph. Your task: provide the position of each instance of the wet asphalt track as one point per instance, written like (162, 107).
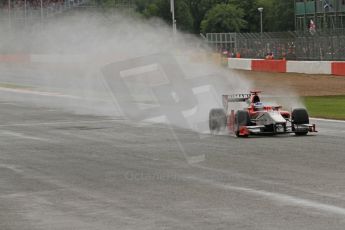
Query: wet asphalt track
(60, 170)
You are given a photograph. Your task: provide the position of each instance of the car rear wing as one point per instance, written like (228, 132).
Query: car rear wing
(234, 98)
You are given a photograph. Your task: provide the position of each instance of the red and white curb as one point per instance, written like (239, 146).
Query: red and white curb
(282, 66)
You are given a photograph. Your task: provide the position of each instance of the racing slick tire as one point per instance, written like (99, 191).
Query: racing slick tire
(242, 118)
(299, 117)
(217, 120)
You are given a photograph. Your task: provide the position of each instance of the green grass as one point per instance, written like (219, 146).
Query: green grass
(331, 107)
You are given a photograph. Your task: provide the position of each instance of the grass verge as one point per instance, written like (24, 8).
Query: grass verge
(331, 107)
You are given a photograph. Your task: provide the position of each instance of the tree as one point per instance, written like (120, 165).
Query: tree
(223, 18)
(278, 14)
(151, 10)
(284, 14)
(154, 8)
(268, 13)
(199, 9)
(251, 14)
(184, 17)
(161, 8)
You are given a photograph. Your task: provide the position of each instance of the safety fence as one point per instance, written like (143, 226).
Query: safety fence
(325, 45)
(257, 45)
(321, 47)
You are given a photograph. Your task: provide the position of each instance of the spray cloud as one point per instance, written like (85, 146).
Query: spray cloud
(113, 64)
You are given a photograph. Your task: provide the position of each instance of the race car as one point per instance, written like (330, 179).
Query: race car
(258, 118)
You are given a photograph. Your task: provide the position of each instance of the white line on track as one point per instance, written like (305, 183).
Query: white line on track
(328, 120)
(268, 182)
(13, 168)
(61, 123)
(277, 197)
(8, 103)
(39, 93)
(54, 123)
(23, 136)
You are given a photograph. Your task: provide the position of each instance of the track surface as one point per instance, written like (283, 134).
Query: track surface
(60, 170)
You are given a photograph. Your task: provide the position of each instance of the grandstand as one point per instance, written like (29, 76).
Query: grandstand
(326, 14)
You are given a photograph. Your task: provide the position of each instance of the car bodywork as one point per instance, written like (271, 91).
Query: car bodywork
(258, 118)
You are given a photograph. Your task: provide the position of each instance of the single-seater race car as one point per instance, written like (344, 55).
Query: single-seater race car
(258, 118)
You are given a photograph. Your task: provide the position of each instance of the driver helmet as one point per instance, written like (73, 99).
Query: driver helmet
(259, 106)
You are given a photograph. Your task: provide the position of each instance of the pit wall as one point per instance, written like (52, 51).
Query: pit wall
(282, 66)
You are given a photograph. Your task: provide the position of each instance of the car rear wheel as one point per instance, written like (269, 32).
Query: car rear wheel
(217, 120)
(242, 118)
(299, 117)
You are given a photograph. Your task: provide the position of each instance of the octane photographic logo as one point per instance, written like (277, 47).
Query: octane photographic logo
(155, 88)
(152, 176)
